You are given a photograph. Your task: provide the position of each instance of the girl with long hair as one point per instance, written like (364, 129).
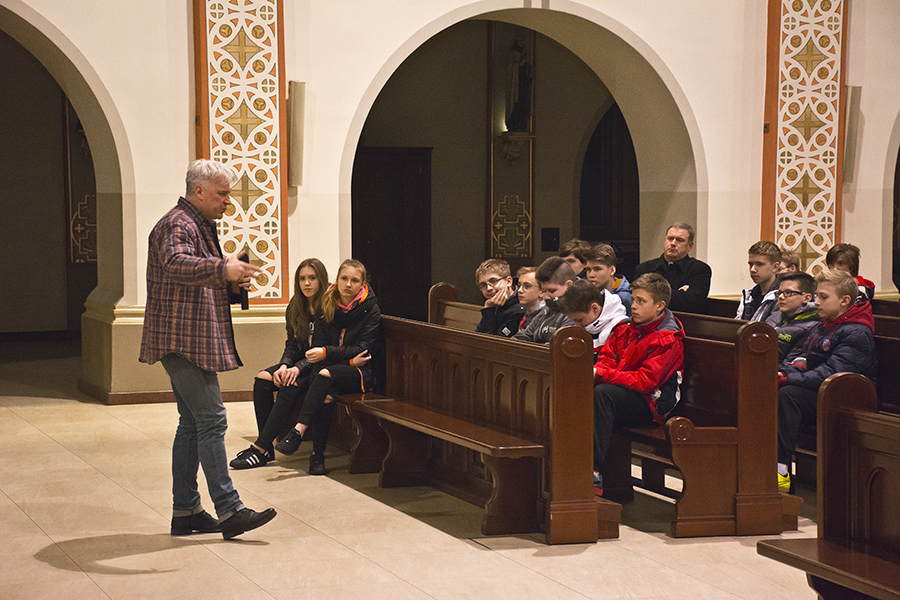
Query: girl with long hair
(278, 389)
(346, 334)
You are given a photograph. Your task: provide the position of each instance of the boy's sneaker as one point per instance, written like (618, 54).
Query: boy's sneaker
(249, 458)
(784, 483)
(317, 464)
(290, 442)
(598, 484)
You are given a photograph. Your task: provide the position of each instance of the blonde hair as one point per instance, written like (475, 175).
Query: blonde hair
(843, 282)
(332, 296)
(302, 309)
(493, 266)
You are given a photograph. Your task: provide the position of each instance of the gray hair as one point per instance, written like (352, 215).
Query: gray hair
(204, 170)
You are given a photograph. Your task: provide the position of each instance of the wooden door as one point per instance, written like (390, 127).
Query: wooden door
(391, 216)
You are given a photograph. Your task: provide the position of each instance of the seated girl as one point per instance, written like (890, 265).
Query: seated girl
(290, 377)
(346, 333)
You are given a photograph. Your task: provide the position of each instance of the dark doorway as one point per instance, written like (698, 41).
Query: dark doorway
(610, 194)
(391, 225)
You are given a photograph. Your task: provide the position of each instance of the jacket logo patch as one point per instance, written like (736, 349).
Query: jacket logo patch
(826, 344)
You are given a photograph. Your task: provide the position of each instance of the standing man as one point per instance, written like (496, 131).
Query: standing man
(688, 276)
(187, 327)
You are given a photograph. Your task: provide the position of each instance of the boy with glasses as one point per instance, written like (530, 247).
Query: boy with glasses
(796, 291)
(502, 312)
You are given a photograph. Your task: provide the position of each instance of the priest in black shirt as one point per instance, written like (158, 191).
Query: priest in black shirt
(688, 276)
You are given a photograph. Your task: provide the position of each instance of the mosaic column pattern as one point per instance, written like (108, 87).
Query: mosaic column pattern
(241, 106)
(808, 174)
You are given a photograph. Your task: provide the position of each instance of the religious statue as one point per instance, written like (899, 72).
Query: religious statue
(519, 74)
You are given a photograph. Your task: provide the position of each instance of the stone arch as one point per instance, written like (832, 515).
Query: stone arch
(668, 144)
(113, 169)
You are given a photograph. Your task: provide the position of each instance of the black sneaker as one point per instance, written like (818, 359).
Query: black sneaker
(249, 458)
(244, 520)
(290, 442)
(317, 464)
(202, 522)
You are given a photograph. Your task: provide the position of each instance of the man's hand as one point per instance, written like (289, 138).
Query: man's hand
(314, 355)
(500, 298)
(239, 272)
(684, 288)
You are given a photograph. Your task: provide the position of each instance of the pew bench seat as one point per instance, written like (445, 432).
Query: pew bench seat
(513, 461)
(836, 567)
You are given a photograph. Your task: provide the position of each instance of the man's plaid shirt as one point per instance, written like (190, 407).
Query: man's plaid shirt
(188, 296)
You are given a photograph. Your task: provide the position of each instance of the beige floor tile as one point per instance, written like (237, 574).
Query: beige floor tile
(374, 590)
(77, 585)
(34, 558)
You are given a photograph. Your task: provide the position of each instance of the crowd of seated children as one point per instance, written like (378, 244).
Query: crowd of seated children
(573, 252)
(278, 389)
(554, 276)
(597, 311)
(688, 277)
(796, 291)
(845, 257)
(502, 312)
(842, 341)
(638, 373)
(760, 303)
(345, 339)
(790, 262)
(529, 294)
(601, 271)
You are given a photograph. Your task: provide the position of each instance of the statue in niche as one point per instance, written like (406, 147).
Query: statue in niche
(519, 74)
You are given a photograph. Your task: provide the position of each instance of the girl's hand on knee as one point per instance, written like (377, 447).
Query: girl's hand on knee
(290, 376)
(278, 376)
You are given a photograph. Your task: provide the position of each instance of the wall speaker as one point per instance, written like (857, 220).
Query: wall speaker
(296, 106)
(851, 129)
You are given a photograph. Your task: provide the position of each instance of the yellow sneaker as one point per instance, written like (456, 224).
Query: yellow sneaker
(784, 483)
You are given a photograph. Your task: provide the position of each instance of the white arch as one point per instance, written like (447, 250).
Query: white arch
(108, 141)
(671, 160)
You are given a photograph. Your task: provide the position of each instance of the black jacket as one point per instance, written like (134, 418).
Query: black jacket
(349, 333)
(294, 347)
(687, 271)
(502, 320)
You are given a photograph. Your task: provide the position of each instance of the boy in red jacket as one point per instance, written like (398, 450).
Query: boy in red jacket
(638, 373)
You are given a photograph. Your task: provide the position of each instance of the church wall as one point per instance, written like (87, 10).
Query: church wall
(31, 195)
(346, 50)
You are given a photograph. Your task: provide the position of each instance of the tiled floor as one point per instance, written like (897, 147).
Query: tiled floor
(85, 507)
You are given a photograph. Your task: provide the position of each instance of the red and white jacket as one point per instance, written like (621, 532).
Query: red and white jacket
(647, 358)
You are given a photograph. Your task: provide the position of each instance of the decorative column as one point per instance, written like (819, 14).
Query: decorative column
(510, 221)
(241, 123)
(803, 148)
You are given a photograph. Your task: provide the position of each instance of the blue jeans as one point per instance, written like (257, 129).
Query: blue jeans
(199, 440)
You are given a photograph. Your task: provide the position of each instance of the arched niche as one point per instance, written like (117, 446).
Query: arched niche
(116, 260)
(671, 161)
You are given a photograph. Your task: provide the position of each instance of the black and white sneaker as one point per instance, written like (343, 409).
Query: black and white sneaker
(249, 458)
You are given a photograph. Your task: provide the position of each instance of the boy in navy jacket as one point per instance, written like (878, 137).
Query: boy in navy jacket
(638, 373)
(842, 341)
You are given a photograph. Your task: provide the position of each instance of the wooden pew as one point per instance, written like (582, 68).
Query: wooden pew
(856, 553)
(471, 414)
(730, 487)
(722, 436)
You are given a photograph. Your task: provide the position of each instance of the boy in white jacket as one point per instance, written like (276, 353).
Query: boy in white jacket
(598, 311)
